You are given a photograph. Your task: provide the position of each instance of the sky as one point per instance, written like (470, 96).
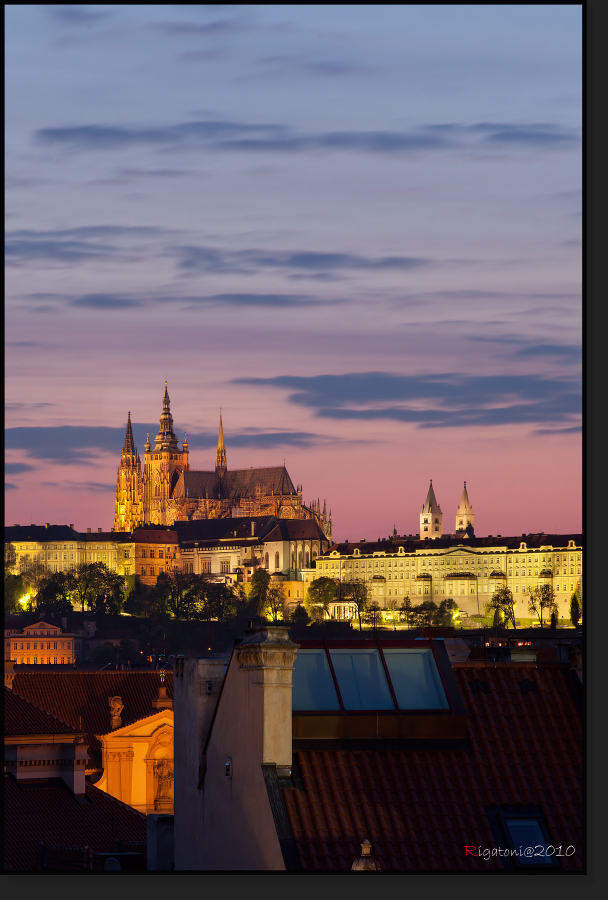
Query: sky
(356, 230)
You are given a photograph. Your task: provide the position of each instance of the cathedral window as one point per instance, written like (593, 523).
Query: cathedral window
(276, 560)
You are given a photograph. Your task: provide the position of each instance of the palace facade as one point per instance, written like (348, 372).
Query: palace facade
(468, 569)
(167, 490)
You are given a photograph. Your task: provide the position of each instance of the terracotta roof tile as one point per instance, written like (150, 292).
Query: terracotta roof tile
(75, 696)
(419, 809)
(49, 813)
(23, 717)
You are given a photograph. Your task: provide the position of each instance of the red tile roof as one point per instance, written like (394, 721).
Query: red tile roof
(23, 717)
(83, 696)
(49, 813)
(420, 808)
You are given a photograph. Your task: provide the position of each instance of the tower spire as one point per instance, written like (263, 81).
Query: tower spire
(431, 517)
(465, 516)
(129, 446)
(166, 439)
(220, 456)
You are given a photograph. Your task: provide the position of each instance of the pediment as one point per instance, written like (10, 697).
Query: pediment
(143, 728)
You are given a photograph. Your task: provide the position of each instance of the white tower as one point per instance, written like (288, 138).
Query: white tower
(431, 517)
(464, 514)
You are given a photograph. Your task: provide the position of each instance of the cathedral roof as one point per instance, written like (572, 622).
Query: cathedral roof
(296, 529)
(235, 484)
(218, 529)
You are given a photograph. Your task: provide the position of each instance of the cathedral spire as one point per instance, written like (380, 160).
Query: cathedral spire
(166, 439)
(220, 456)
(129, 446)
(465, 516)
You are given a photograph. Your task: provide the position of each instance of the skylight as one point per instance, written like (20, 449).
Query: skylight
(373, 677)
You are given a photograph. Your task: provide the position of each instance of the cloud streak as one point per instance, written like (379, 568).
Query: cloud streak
(433, 401)
(271, 137)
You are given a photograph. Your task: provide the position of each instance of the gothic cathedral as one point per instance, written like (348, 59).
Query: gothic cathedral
(168, 490)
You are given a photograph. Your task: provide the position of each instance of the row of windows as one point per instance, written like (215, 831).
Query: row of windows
(55, 660)
(64, 644)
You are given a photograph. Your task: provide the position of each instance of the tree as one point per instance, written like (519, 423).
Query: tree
(177, 593)
(373, 615)
(258, 595)
(425, 613)
(502, 603)
(405, 611)
(216, 600)
(54, 594)
(357, 593)
(540, 599)
(319, 595)
(14, 590)
(446, 613)
(299, 616)
(90, 579)
(275, 601)
(575, 609)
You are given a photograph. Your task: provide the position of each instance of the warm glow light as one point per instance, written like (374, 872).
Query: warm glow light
(23, 600)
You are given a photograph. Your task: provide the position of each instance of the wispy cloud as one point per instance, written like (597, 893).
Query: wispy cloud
(233, 135)
(206, 259)
(95, 487)
(433, 401)
(74, 245)
(71, 444)
(139, 300)
(9, 486)
(17, 468)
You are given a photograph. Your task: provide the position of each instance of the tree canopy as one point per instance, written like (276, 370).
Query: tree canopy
(502, 602)
(319, 595)
(541, 598)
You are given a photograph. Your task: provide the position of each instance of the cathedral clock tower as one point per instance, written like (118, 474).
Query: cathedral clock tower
(163, 464)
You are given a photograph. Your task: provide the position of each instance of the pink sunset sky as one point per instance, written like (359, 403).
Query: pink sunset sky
(356, 230)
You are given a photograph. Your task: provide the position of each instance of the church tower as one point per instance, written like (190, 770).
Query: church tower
(129, 487)
(163, 465)
(465, 516)
(431, 517)
(220, 456)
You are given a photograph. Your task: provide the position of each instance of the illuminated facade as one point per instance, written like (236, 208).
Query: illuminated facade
(40, 644)
(168, 491)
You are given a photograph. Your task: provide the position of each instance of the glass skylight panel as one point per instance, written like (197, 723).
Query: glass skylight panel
(415, 678)
(313, 686)
(528, 833)
(361, 679)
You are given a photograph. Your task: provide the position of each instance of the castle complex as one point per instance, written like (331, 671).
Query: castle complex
(167, 490)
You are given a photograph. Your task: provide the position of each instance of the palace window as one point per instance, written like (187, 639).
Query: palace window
(160, 554)
(151, 570)
(143, 570)
(225, 565)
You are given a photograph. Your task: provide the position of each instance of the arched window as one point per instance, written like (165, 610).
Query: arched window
(300, 560)
(266, 561)
(293, 560)
(307, 560)
(276, 560)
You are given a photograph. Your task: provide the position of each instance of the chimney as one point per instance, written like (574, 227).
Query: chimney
(17, 525)
(47, 524)
(99, 531)
(71, 525)
(88, 530)
(116, 707)
(265, 659)
(9, 673)
(252, 529)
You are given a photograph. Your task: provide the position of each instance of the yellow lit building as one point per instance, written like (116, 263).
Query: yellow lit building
(41, 644)
(459, 566)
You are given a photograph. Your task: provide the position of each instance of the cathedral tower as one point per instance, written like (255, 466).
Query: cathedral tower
(431, 517)
(129, 487)
(220, 456)
(163, 465)
(465, 516)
